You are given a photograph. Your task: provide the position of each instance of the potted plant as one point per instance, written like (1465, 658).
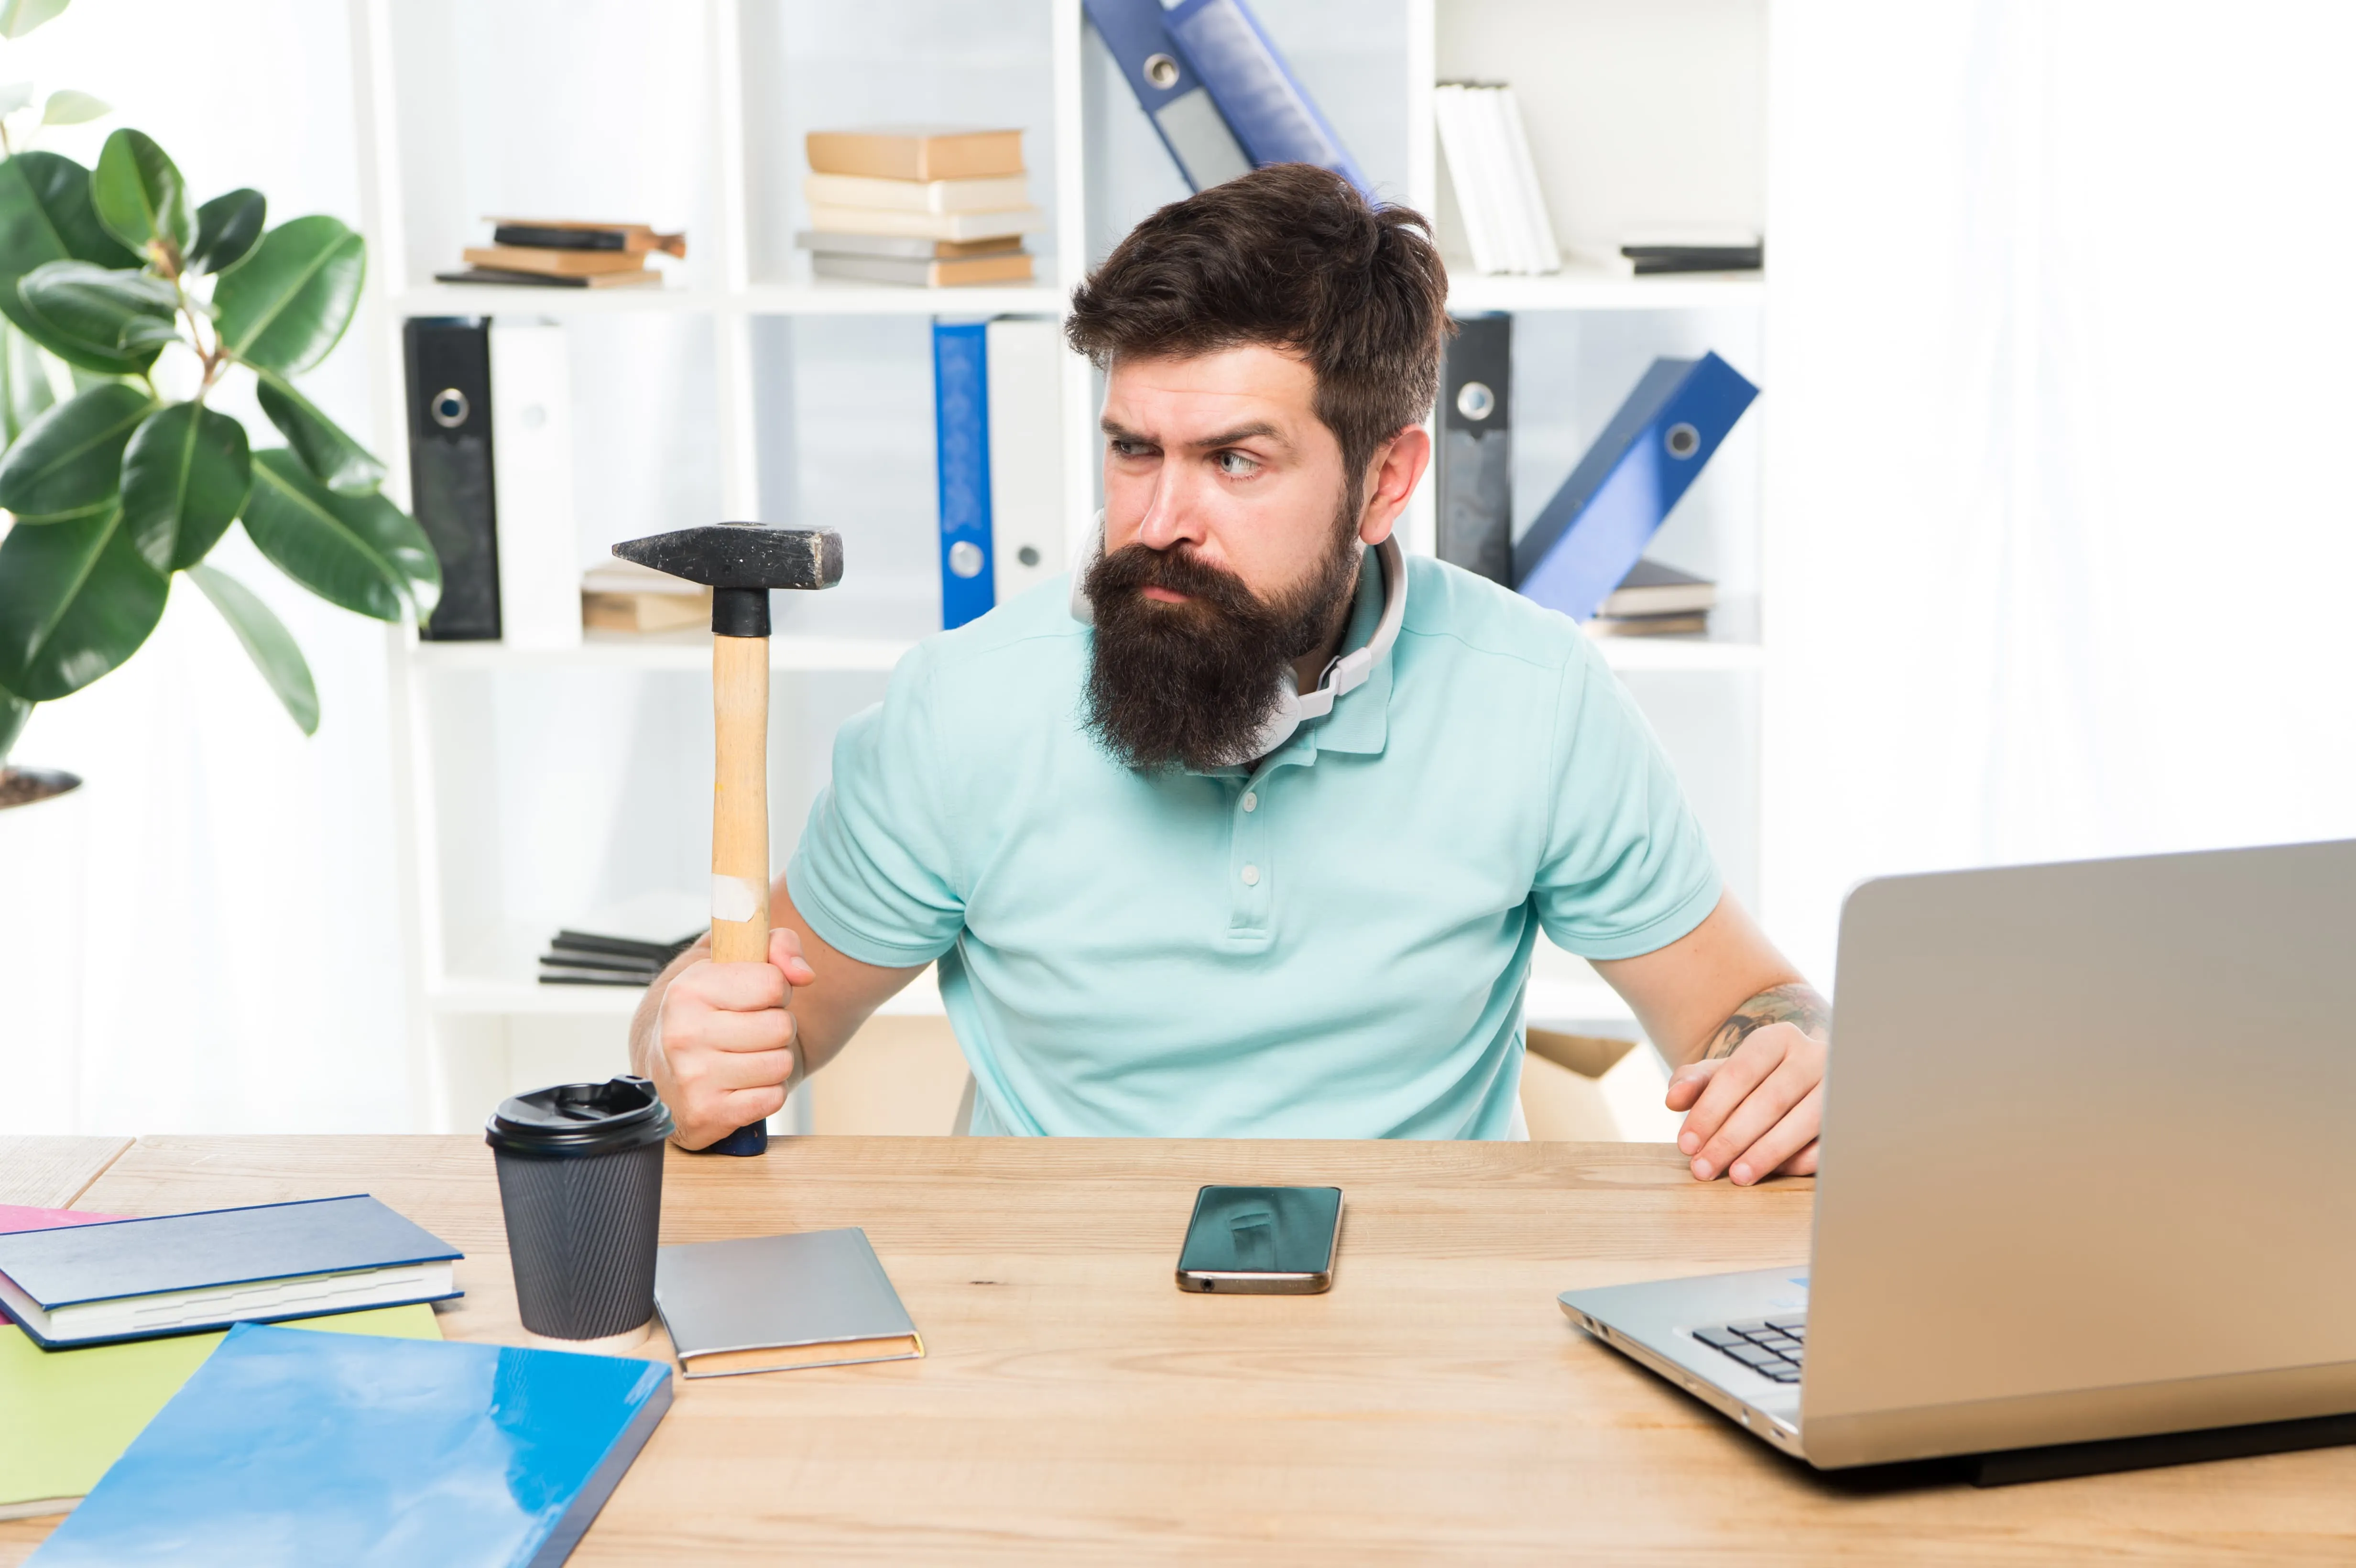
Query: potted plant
(154, 301)
(125, 308)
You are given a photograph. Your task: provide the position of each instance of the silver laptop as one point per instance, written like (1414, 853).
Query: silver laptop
(2089, 1170)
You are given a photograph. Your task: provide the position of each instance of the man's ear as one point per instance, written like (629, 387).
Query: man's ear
(1392, 475)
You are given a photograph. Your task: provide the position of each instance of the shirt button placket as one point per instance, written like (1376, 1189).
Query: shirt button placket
(1249, 862)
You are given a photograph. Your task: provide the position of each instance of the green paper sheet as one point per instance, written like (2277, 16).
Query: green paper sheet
(66, 1415)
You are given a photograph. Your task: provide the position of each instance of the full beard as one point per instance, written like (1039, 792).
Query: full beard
(1191, 685)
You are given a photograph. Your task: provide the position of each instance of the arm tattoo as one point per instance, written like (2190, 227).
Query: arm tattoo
(1794, 1004)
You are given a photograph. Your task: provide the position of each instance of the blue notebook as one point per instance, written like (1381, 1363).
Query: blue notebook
(184, 1274)
(1586, 539)
(304, 1449)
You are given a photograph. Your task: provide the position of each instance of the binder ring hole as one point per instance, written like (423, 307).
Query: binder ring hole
(1028, 555)
(1684, 441)
(965, 559)
(449, 408)
(1474, 401)
(1161, 71)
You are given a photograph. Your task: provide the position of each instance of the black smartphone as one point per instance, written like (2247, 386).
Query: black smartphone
(1261, 1241)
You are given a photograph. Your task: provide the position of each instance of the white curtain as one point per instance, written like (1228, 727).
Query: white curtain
(242, 961)
(2059, 548)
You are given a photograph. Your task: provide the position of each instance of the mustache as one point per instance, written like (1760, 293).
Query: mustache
(1125, 574)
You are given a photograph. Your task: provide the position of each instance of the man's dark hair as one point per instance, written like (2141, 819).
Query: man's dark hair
(1290, 257)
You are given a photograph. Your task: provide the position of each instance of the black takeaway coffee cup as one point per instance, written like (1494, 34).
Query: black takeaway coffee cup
(581, 1169)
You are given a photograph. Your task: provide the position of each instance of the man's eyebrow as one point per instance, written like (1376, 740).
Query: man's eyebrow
(1260, 429)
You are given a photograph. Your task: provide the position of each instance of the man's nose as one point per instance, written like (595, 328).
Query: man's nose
(1168, 517)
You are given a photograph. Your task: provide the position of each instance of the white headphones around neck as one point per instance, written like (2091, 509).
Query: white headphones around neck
(1344, 675)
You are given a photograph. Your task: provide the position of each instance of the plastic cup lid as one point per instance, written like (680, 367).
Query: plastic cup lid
(580, 1118)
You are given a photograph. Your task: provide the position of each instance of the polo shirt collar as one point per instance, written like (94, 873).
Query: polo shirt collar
(1360, 721)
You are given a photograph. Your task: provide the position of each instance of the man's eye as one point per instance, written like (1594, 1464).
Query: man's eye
(1237, 464)
(1130, 448)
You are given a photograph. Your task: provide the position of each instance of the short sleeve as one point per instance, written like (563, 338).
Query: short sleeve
(1626, 868)
(875, 872)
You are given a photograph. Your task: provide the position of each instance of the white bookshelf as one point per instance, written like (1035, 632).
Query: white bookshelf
(541, 784)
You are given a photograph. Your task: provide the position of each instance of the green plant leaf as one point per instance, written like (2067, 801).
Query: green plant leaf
(76, 600)
(360, 551)
(140, 195)
(45, 216)
(226, 227)
(290, 302)
(70, 106)
(185, 475)
(267, 643)
(98, 317)
(334, 458)
(68, 462)
(13, 711)
(25, 392)
(18, 17)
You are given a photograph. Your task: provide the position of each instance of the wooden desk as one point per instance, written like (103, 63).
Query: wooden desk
(1075, 1406)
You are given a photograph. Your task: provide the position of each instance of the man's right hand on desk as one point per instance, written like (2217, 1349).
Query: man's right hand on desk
(723, 1049)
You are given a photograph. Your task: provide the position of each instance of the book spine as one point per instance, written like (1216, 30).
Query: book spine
(1546, 256)
(540, 567)
(581, 1512)
(1447, 113)
(449, 363)
(1476, 448)
(1177, 104)
(1521, 236)
(542, 239)
(1588, 538)
(1025, 358)
(1271, 114)
(961, 430)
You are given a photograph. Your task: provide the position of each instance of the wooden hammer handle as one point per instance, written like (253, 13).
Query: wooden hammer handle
(740, 800)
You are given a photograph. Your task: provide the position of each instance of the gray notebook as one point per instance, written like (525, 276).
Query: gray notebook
(818, 1298)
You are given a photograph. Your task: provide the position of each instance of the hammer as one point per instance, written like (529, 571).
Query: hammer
(740, 563)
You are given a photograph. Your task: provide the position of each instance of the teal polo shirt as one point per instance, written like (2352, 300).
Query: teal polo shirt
(1330, 943)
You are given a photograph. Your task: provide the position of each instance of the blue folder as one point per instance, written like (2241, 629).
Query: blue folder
(1175, 102)
(1271, 115)
(961, 429)
(1595, 529)
(304, 1449)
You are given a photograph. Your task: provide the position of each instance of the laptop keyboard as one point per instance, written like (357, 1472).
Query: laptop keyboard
(1772, 1346)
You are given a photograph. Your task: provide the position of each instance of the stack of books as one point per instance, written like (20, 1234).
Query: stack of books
(584, 958)
(567, 253)
(926, 206)
(1682, 248)
(1494, 178)
(623, 596)
(109, 1316)
(1655, 601)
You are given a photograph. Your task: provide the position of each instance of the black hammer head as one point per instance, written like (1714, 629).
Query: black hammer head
(743, 555)
(740, 561)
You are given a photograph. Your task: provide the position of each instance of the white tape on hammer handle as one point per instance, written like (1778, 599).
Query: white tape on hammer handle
(735, 897)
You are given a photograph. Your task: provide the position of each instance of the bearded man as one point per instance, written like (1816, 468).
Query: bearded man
(1249, 832)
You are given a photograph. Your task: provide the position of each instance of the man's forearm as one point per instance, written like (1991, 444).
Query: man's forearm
(1795, 1003)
